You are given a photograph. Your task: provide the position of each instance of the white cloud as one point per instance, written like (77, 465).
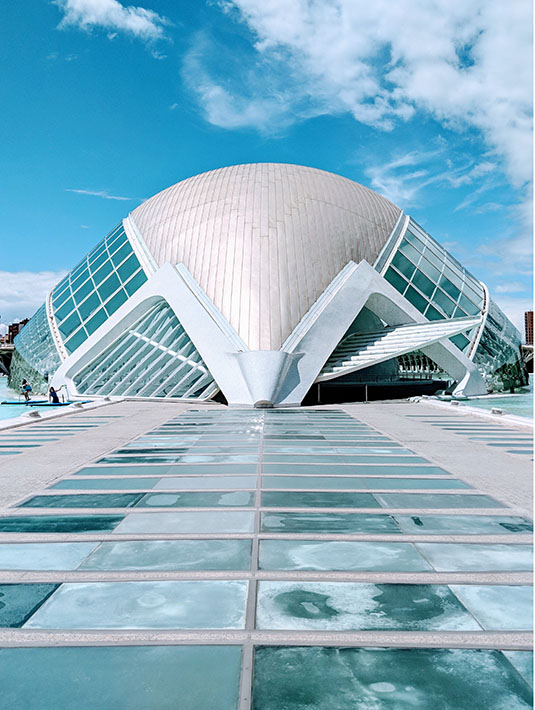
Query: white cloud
(22, 292)
(111, 15)
(99, 193)
(466, 64)
(510, 287)
(514, 309)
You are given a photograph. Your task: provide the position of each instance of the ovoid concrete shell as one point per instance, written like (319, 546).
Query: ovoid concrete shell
(264, 240)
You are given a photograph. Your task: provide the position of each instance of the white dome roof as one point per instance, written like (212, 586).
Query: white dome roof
(264, 240)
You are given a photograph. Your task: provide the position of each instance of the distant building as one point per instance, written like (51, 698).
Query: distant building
(528, 325)
(258, 283)
(14, 329)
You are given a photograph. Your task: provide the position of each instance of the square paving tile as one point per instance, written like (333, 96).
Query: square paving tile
(171, 555)
(188, 522)
(317, 678)
(144, 605)
(350, 523)
(498, 606)
(59, 523)
(197, 500)
(87, 500)
(482, 557)
(116, 677)
(340, 555)
(309, 499)
(347, 605)
(19, 601)
(44, 555)
(463, 524)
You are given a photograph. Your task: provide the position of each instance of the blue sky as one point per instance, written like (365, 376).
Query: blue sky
(426, 101)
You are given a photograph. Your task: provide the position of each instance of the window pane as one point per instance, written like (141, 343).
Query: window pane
(76, 340)
(433, 314)
(65, 309)
(450, 289)
(444, 302)
(414, 297)
(468, 306)
(67, 327)
(413, 239)
(128, 268)
(434, 259)
(460, 341)
(89, 306)
(97, 320)
(120, 255)
(84, 275)
(430, 270)
(113, 304)
(410, 251)
(403, 264)
(83, 291)
(396, 280)
(99, 261)
(423, 283)
(108, 287)
(104, 271)
(135, 282)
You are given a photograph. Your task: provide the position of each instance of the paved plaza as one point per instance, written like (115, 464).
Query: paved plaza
(365, 556)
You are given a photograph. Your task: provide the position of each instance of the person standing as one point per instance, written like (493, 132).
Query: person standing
(26, 389)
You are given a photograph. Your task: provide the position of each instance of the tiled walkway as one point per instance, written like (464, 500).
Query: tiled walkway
(276, 559)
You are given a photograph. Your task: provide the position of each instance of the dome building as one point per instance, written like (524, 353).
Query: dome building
(259, 284)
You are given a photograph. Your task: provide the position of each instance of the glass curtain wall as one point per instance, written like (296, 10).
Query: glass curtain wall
(153, 358)
(435, 282)
(96, 287)
(35, 357)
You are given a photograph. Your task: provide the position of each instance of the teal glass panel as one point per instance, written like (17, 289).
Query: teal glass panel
(89, 306)
(468, 306)
(416, 299)
(99, 260)
(425, 285)
(115, 677)
(84, 275)
(409, 251)
(433, 314)
(113, 304)
(431, 271)
(450, 289)
(441, 300)
(127, 269)
(84, 290)
(414, 240)
(397, 281)
(135, 282)
(61, 297)
(76, 340)
(121, 254)
(403, 265)
(65, 310)
(108, 287)
(103, 272)
(96, 321)
(460, 341)
(69, 325)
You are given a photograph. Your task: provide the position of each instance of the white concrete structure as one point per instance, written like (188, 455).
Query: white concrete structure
(258, 281)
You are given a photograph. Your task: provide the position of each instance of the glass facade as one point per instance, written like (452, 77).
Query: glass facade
(95, 288)
(36, 357)
(497, 354)
(153, 358)
(435, 282)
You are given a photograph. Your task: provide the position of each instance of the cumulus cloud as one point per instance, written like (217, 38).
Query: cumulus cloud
(112, 16)
(99, 193)
(22, 292)
(468, 65)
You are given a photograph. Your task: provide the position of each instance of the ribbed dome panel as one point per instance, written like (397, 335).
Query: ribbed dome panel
(265, 239)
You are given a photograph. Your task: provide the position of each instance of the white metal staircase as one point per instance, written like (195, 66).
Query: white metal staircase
(361, 350)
